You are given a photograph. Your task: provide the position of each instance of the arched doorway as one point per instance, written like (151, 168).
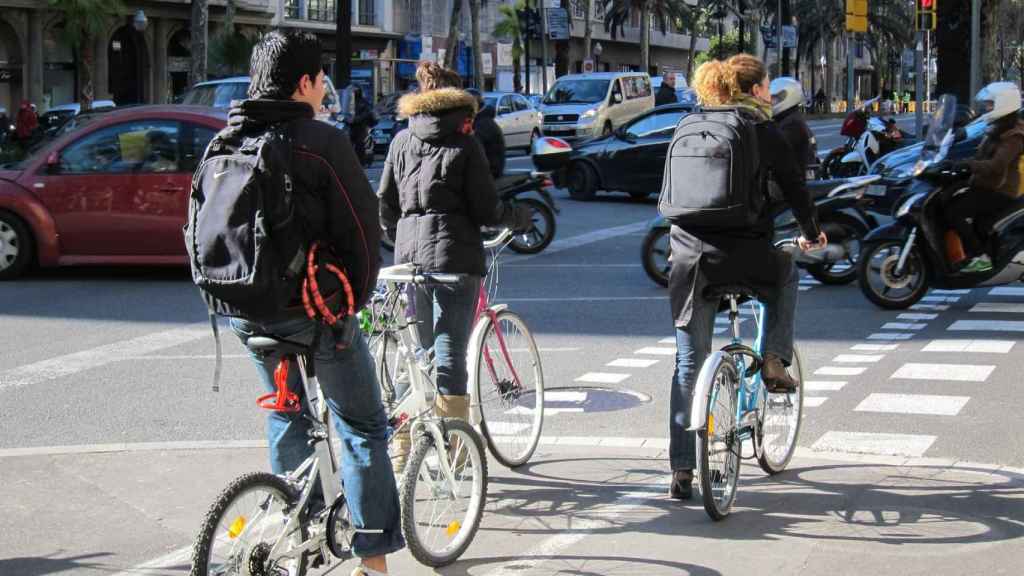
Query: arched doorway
(11, 67)
(60, 82)
(127, 63)
(179, 61)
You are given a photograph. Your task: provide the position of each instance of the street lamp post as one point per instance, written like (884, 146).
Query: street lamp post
(598, 49)
(824, 62)
(139, 22)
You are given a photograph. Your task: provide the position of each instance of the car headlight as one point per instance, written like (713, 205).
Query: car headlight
(589, 115)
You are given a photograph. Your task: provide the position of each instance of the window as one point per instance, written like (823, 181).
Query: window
(505, 105)
(195, 139)
(598, 13)
(320, 10)
(578, 9)
(521, 103)
(655, 125)
(145, 146)
(218, 95)
(366, 15)
(415, 16)
(577, 92)
(634, 19)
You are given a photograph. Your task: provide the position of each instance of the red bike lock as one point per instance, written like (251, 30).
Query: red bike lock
(282, 399)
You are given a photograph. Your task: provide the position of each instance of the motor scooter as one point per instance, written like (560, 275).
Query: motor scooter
(902, 260)
(866, 142)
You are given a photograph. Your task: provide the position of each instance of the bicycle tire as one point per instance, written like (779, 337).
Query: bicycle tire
(511, 449)
(418, 472)
(724, 481)
(535, 240)
(389, 361)
(770, 464)
(213, 523)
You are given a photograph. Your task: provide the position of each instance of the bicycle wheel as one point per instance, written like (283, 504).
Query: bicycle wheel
(718, 446)
(440, 518)
(779, 420)
(243, 525)
(392, 371)
(509, 384)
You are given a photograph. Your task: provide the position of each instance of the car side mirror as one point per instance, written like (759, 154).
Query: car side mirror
(617, 98)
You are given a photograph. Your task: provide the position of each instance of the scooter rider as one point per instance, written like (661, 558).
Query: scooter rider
(995, 174)
(489, 134)
(787, 98)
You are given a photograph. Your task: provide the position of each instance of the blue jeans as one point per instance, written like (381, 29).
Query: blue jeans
(693, 346)
(445, 315)
(350, 385)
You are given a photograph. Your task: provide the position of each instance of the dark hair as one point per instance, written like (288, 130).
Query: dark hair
(279, 60)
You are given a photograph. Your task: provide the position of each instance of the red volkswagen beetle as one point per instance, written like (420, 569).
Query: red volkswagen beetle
(111, 189)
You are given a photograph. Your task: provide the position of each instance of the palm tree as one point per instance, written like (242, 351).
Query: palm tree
(508, 27)
(84, 21)
(199, 32)
(619, 12)
(230, 51)
(478, 68)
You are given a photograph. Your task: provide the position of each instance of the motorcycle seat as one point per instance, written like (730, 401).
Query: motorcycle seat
(997, 221)
(511, 181)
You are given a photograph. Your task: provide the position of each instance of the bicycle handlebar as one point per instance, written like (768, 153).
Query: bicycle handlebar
(407, 273)
(499, 240)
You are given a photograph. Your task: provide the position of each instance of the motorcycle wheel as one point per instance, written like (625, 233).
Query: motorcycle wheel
(831, 164)
(880, 284)
(845, 229)
(540, 234)
(655, 255)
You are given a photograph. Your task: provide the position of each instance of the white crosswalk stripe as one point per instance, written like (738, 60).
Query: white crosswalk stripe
(909, 445)
(999, 307)
(891, 336)
(987, 326)
(602, 378)
(814, 401)
(632, 363)
(840, 371)
(858, 358)
(980, 346)
(823, 385)
(913, 316)
(903, 326)
(939, 307)
(657, 351)
(1006, 291)
(928, 404)
(955, 372)
(874, 347)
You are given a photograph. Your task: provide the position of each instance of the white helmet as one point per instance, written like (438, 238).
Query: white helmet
(997, 100)
(787, 93)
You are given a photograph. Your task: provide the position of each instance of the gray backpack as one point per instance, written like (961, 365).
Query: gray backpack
(713, 177)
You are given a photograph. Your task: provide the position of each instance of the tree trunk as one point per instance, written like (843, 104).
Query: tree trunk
(562, 46)
(951, 36)
(517, 54)
(452, 48)
(786, 52)
(478, 66)
(830, 73)
(586, 29)
(199, 32)
(343, 42)
(87, 92)
(692, 54)
(645, 37)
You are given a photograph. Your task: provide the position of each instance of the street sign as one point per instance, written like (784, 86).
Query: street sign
(558, 23)
(588, 66)
(504, 54)
(789, 37)
(487, 62)
(857, 15)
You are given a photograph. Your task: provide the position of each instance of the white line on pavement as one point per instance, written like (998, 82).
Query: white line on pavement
(913, 316)
(602, 378)
(903, 326)
(891, 336)
(159, 565)
(1007, 291)
(657, 351)
(956, 372)
(852, 358)
(874, 347)
(988, 325)
(940, 299)
(588, 238)
(910, 445)
(68, 364)
(670, 340)
(840, 370)
(632, 363)
(981, 346)
(939, 307)
(999, 307)
(814, 401)
(823, 385)
(959, 291)
(927, 404)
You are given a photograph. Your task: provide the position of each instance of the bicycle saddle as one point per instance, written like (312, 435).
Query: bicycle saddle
(266, 345)
(720, 291)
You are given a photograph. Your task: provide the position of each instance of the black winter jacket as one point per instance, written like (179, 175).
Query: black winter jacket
(708, 257)
(436, 190)
(335, 198)
(492, 139)
(799, 136)
(665, 95)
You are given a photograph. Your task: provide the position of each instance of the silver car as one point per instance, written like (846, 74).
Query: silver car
(519, 121)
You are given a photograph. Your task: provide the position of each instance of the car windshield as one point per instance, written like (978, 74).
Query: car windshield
(577, 92)
(216, 95)
(75, 123)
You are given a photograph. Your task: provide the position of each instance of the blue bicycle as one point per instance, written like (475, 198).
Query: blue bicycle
(731, 405)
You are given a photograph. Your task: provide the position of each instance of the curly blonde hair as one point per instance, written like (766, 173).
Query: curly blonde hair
(719, 83)
(432, 76)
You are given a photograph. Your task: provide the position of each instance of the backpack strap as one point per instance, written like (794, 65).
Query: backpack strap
(218, 363)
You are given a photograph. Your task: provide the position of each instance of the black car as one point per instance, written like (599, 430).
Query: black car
(631, 159)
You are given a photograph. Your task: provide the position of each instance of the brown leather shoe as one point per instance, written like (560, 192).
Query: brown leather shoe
(775, 376)
(682, 485)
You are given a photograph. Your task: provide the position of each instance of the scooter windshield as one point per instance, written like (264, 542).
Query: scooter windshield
(939, 130)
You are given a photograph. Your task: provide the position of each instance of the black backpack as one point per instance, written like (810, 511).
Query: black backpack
(713, 176)
(246, 241)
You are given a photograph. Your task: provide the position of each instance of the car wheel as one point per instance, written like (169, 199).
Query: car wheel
(16, 246)
(581, 181)
(607, 129)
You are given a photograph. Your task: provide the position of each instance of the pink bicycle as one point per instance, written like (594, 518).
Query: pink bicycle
(506, 380)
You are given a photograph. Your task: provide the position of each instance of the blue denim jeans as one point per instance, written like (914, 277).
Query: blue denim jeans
(445, 315)
(350, 385)
(693, 346)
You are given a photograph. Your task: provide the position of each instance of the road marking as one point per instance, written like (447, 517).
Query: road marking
(987, 326)
(891, 336)
(903, 326)
(670, 340)
(565, 396)
(1007, 291)
(602, 378)
(810, 282)
(814, 401)
(657, 351)
(926, 404)
(572, 265)
(588, 238)
(980, 346)
(912, 316)
(507, 428)
(632, 363)
(956, 372)
(823, 385)
(851, 358)
(939, 307)
(586, 299)
(840, 370)
(69, 364)
(874, 347)
(187, 357)
(159, 566)
(910, 445)
(999, 307)
(803, 288)
(940, 299)
(960, 291)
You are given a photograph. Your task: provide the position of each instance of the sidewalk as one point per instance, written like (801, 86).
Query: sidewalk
(573, 510)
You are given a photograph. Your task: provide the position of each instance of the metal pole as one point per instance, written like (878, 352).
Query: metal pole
(975, 47)
(918, 86)
(778, 38)
(544, 45)
(928, 67)
(850, 38)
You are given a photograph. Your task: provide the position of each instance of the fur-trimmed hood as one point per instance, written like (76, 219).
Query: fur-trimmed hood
(437, 114)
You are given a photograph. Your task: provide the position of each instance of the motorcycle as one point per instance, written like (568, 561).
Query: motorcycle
(866, 142)
(842, 216)
(905, 258)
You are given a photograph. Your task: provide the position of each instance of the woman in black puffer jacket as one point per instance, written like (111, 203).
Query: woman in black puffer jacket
(435, 194)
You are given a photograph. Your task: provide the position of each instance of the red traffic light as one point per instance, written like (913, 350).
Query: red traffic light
(927, 4)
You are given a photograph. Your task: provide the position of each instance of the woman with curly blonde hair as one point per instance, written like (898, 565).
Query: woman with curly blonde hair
(705, 256)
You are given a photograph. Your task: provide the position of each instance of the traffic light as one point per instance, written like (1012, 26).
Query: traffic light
(857, 15)
(529, 22)
(925, 18)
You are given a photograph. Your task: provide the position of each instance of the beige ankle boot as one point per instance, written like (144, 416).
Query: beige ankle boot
(401, 446)
(454, 407)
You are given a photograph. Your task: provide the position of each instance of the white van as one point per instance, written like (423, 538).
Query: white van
(586, 105)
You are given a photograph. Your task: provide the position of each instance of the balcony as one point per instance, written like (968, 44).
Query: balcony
(363, 13)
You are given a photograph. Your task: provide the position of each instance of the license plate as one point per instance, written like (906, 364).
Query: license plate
(876, 190)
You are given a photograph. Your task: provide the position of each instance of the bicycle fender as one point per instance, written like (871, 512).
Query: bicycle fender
(698, 405)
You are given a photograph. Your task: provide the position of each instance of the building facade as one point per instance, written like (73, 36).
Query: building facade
(147, 59)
